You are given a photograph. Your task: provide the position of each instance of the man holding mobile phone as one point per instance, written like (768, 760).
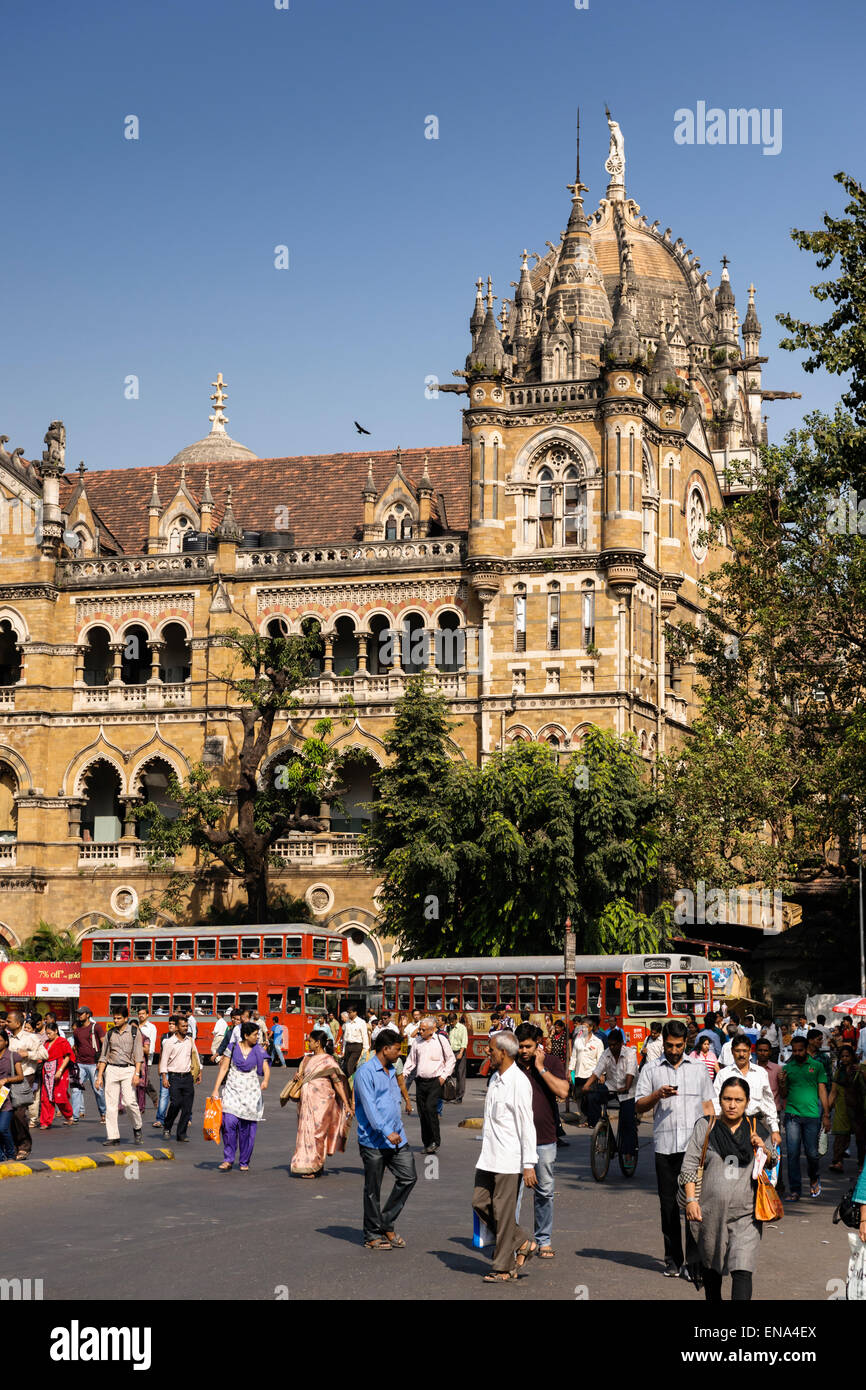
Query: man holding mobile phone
(678, 1091)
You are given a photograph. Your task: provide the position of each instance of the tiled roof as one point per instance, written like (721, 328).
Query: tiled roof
(321, 491)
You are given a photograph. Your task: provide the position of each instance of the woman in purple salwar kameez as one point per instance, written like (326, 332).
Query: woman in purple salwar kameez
(325, 1109)
(245, 1070)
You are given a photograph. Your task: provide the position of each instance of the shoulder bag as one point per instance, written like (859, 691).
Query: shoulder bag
(768, 1203)
(449, 1085)
(699, 1176)
(848, 1211)
(292, 1090)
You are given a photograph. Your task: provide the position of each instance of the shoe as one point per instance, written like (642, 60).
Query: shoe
(182, 1141)
(136, 1137)
(111, 1143)
(684, 1274)
(156, 1124)
(430, 1148)
(166, 1134)
(793, 1197)
(671, 1271)
(815, 1190)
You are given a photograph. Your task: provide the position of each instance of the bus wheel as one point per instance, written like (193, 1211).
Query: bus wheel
(599, 1150)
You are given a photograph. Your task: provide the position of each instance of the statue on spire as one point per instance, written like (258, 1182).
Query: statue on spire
(219, 419)
(615, 162)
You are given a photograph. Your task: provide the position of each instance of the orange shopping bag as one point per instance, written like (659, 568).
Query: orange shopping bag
(213, 1119)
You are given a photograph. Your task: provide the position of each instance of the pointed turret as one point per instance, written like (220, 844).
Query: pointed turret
(623, 345)
(488, 354)
(228, 529)
(155, 505)
(477, 320)
(726, 326)
(663, 372)
(751, 327)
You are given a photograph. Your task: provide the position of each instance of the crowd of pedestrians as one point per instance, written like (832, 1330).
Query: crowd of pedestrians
(720, 1095)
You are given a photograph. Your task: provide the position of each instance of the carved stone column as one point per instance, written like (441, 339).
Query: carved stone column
(430, 634)
(156, 648)
(364, 641)
(116, 649)
(328, 666)
(75, 807)
(129, 821)
(80, 654)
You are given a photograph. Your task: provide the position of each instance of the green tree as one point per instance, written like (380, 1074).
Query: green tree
(48, 943)
(491, 860)
(235, 819)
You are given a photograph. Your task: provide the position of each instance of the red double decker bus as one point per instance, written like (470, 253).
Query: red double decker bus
(290, 969)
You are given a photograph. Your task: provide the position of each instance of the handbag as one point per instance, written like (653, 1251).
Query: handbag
(449, 1085)
(22, 1093)
(768, 1203)
(292, 1089)
(699, 1176)
(848, 1211)
(213, 1118)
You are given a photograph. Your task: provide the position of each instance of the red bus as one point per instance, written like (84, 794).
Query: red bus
(291, 969)
(625, 992)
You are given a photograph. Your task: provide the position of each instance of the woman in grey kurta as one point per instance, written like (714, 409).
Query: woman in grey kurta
(723, 1221)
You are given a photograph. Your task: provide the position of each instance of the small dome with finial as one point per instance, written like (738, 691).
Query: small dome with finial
(216, 447)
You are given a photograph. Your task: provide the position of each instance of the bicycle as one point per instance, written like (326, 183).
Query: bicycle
(604, 1144)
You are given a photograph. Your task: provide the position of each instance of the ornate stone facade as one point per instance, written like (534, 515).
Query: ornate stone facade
(532, 570)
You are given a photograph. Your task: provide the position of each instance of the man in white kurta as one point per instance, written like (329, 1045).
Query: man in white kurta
(508, 1156)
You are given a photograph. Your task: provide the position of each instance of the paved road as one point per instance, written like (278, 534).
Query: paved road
(263, 1234)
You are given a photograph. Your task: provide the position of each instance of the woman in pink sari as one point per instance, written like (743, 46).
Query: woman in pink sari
(325, 1108)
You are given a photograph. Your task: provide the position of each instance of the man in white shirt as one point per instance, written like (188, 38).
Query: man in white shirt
(192, 1027)
(356, 1039)
(148, 1038)
(654, 1046)
(508, 1153)
(430, 1061)
(180, 1069)
(726, 1056)
(585, 1056)
(412, 1028)
(761, 1100)
(618, 1068)
(220, 1028)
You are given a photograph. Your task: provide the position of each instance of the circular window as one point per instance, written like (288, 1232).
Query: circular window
(697, 522)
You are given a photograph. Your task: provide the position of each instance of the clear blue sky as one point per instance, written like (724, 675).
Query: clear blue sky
(305, 127)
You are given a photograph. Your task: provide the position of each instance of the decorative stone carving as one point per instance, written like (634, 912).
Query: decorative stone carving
(54, 455)
(126, 607)
(362, 595)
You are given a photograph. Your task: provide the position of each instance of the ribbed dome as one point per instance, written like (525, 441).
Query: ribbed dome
(214, 448)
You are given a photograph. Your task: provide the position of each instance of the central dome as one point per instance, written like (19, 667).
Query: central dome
(216, 447)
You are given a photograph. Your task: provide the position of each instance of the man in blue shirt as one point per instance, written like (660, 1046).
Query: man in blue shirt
(276, 1048)
(382, 1142)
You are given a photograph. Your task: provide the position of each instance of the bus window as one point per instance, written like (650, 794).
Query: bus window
(184, 948)
(163, 950)
(470, 992)
(293, 947)
(435, 997)
(273, 948)
(390, 994)
(142, 949)
(453, 1000)
(613, 995)
(100, 950)
(332, 1001)
(404, 995)
(224, 1003)
(508, 990)
(646, 994)
(593, 995)
(419, 990)
(138, 1001)
(203, 1004)
(690, 991)
(122, 950)
(293, 1001)
(249, 1001)
(561, 984)
(488, 992)
(159, 1003)
(228, 948)
(116, 1001)
(547, 994)
(251, 948)
(320, 948)
(275, 1003)
(314, 1000)
(335, 950)
(207, 948)
(526, 992)
(181, 1001)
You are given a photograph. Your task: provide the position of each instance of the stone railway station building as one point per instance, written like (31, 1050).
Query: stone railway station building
(544, 556)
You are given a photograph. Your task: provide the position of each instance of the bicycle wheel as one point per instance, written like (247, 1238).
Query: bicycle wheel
(599, 1150)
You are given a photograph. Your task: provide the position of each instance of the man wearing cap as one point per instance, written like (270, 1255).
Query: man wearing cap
(86, 1041)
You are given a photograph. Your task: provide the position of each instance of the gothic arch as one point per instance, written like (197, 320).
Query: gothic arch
(16, 622)
(545, 732)
(8, 937)
(557, 434)
(80, 763)
(156, 756)
(18, 766)
(163, 623)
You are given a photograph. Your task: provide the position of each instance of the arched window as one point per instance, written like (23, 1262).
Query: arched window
(154, 788)
(353, 812)
(520, 618)
(556, 513)
(100, 815)
(450, 643)
(344, 648)
(176, 656)
(8, 807)
(178, 529)
(10, 654)
(553, 615)
(588, 613)
(97, 657)
(312, 629)
(135, 657)
(414, 644)
(399, 523)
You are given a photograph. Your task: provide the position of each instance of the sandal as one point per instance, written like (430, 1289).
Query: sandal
(225, 1167)
(503, 1278)
(396, 1242)
(243, 1168)
(526, 1252)
(546, 1252)
(377, 1244)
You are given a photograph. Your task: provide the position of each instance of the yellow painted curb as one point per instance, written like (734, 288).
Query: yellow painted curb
(14, 1170)
(80, 1163)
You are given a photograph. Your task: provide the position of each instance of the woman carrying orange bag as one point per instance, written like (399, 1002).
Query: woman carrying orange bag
(245, 1070)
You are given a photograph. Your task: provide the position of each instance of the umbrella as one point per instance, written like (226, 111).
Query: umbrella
(855, 1007)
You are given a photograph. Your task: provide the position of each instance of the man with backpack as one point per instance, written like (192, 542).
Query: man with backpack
(87, 1038)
